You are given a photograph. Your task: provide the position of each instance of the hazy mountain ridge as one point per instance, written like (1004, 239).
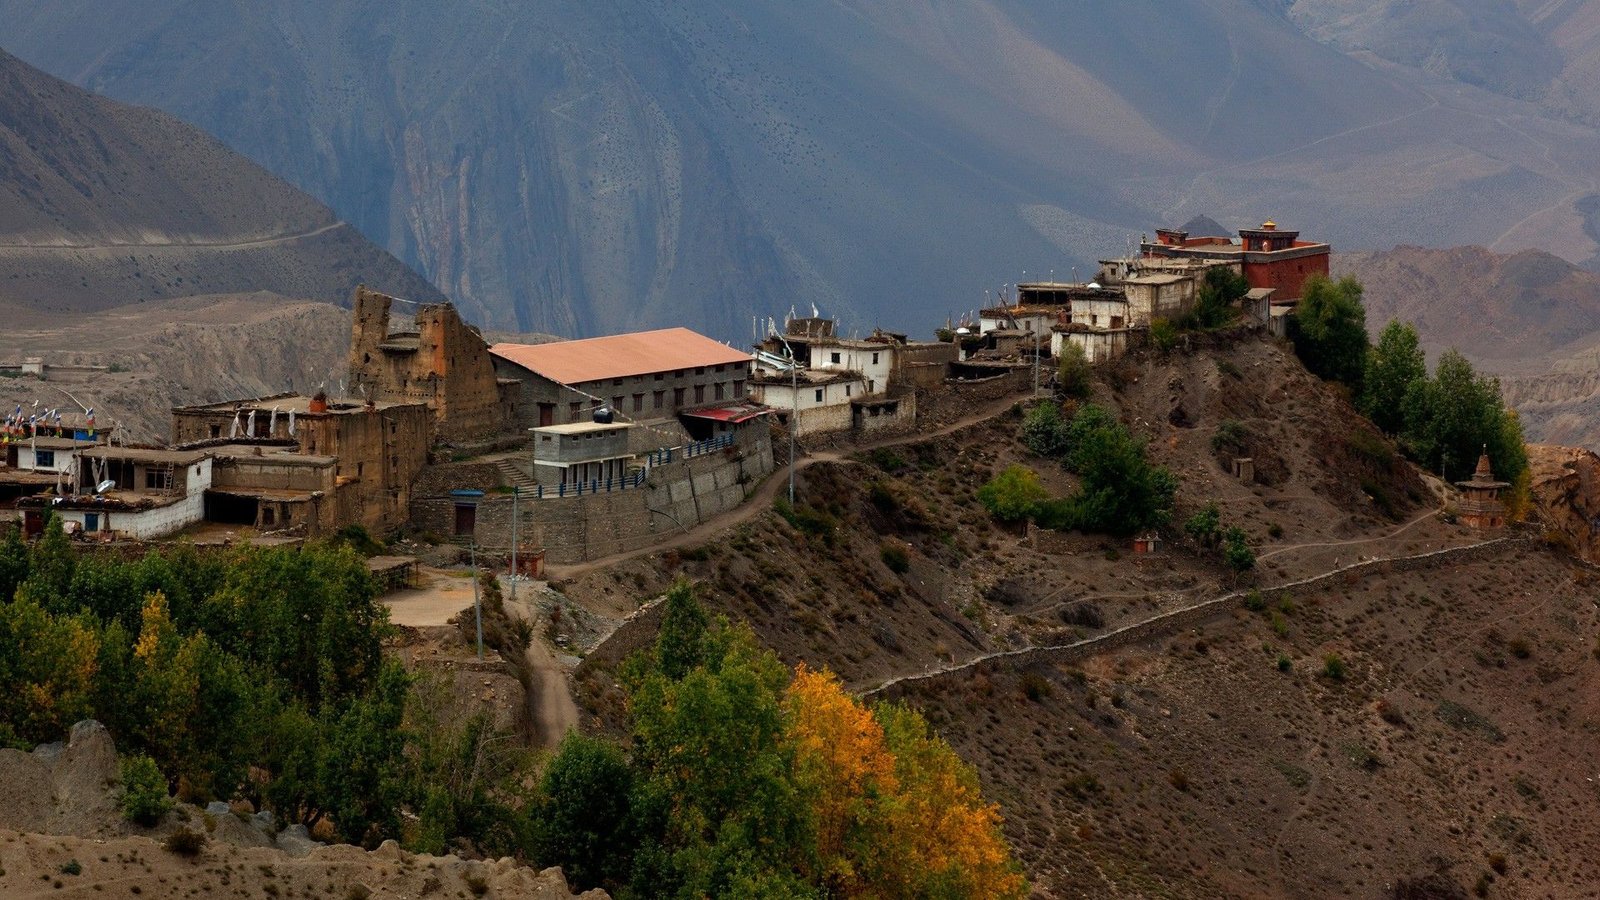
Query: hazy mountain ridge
(104, 204)
(587, 167)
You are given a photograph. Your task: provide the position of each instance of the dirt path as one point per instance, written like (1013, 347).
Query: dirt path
(550, 705)
(1366, 540)
(763, 496)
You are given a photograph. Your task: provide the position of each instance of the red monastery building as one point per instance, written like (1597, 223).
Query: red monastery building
(1268, 258)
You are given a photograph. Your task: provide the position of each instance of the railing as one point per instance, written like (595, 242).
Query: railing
(592, 486)
(689, 451)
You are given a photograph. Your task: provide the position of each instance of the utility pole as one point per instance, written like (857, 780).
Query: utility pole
(514, 492)
(477, 604)
(794, 409)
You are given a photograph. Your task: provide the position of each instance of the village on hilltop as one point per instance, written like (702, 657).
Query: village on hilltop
(585, 448)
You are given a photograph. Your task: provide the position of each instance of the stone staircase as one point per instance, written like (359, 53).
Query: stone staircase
(516, 477)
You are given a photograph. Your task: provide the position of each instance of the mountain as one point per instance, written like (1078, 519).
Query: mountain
(578, 167)
(104, 204)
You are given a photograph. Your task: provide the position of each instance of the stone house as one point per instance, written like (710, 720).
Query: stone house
(153, 493)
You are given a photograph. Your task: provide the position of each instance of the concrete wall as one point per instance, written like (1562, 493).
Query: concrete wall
(64, 459)
(1097, 346)
(675, 496)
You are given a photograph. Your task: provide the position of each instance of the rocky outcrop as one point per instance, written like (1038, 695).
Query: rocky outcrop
(1566, 492)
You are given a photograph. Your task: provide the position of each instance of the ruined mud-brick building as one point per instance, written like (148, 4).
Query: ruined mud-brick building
(441, 362)
(374, 450)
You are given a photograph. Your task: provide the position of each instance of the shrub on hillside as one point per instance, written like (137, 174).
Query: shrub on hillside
(144, 791)
(895, 557)
(1074, 375)
(1014, 495)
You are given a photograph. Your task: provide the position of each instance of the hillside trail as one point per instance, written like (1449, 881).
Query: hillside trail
(762, 497)
(550, 705)
(1154, 624)
(272, 241)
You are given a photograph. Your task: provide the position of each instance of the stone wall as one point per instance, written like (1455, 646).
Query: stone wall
(674, 497)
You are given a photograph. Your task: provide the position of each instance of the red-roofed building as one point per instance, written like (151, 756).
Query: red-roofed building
(1267, 256)
(644, 375)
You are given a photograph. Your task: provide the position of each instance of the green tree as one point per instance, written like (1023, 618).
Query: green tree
(1236, 550)
(144, 790)
(1044, 431)
(360, 769)
(1392, 367)
(583, 816)
(680, 644)
(1122, 492)
(715, 808)
(51, 562)
(1219, 291)
(13, 564)
(1205, 526)
(1013, 495)
(47, 668)
(1329, 330)
(1454, 416)
(1074, 375)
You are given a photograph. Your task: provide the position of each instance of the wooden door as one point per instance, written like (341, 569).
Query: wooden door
(466, 518)
(547, 414)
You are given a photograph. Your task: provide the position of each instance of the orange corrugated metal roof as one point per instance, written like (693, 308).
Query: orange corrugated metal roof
(620, 355)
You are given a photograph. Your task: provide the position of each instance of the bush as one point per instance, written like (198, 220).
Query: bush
(1229, 438)
(1236, 552)
(1163, 334)
(185, 842)
(144, 791)
(1074, 376)
(1333, 667)
(1205, 526)
(1045, 432)
(895, 557)
(1284, 663)
(1014, 495)
(1035, 687)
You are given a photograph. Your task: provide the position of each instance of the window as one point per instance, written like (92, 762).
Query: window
(819, 395)
(616, 403)
(638, 402)
(833, 358)
(874, 359)
(361, 469)
(616, 381)
(216, 431)
(847, 389)
(700, 370)
(872, 386)
(44, 459)
(699, 393)
(660, 375)
(678, 374)
(738, 389)
(574, 410)
(677, 396)
(657, 398)
(717, 394)
(718, 368)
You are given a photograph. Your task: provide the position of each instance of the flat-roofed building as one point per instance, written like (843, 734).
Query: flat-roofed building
(643, 376)
(379, 447)
(150, 493)
(1268, 257)
(581, 453)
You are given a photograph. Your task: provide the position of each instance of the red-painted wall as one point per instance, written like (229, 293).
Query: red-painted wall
(1287, 276)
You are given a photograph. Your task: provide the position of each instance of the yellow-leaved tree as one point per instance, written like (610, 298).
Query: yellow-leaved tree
(896, 812)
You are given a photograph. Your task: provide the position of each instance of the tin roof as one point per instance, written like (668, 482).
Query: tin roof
(735, 413)
(620, 355)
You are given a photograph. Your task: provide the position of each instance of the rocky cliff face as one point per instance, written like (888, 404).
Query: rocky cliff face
(1566, 492)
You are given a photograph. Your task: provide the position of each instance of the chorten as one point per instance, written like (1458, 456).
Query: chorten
(1480, 497)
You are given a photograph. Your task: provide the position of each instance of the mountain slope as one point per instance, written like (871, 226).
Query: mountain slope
(103, 204)
(582, 167)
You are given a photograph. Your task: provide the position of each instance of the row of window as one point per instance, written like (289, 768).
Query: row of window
(699, 370)
(658, 399)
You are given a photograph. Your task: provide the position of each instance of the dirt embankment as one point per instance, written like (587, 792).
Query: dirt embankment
(1566, 492)
(61, 836)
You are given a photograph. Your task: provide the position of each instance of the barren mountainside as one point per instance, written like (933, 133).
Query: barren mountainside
(578, 168)
(104, 204)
